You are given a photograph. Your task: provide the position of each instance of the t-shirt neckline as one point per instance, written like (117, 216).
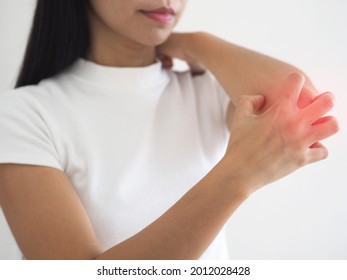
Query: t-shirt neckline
(119, 78)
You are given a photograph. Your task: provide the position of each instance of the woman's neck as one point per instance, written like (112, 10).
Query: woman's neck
(110, 49)
(121, 54)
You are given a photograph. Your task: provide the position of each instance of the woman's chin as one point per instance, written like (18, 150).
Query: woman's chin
(155, 39)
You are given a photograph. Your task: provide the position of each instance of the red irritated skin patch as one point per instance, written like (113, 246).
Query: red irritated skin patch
(326, 100)
(321, 126)
(283, 138)
(303, 126)
(321, 105)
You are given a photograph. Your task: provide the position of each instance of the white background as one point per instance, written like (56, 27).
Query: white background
(303, 216)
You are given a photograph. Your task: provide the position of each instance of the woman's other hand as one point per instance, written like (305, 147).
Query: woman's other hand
(176, 47)
(266, 146)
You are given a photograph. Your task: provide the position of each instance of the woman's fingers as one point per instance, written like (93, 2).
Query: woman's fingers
(317, 152)
(196, 68)
(308, 94)
(165, 60)
(324, 128)
(317, 145)
(249, 104)
(286, 105)
(321, 105)
(291, 90)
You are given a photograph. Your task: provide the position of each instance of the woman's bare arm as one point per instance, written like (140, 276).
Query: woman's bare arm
(239, 70)
(49, 221)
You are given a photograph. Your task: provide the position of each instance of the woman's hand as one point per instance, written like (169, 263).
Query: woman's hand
(176, 46)
(270, 145)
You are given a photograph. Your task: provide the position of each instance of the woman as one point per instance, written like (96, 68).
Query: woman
(106, 155)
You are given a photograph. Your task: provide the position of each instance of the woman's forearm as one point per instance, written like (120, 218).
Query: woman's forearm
(239, 70)
(187, 228)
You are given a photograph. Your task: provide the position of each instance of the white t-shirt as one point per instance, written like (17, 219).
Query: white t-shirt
(132, 141)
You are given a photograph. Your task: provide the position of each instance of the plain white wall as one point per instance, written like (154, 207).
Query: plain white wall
(303, 216)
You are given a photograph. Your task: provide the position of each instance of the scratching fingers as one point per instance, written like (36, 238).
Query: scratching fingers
(323, 128)
(321, 105)
(292, 89)
(317, 153)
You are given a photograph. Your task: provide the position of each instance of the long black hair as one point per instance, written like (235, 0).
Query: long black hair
(59, 35)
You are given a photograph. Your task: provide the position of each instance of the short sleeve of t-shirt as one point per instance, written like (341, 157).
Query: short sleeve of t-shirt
(25, 136)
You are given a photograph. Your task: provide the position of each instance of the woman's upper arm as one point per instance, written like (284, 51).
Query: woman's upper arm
(45, 214)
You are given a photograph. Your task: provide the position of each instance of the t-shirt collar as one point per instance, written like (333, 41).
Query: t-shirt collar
(128, 78)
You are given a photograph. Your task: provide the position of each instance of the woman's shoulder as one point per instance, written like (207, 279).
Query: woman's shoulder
(30, 96)
(26, 102)
(22, 98)
(17, 107)
(21, 95)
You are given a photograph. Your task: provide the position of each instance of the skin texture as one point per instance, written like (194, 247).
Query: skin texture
(272, 135)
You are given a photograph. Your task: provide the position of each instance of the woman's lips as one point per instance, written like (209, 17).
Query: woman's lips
(163, 15)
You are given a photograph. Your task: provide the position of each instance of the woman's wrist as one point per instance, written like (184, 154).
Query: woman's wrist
(237, 183)
(193, 44)
(202, 47)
